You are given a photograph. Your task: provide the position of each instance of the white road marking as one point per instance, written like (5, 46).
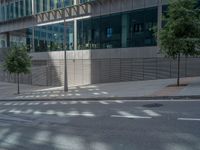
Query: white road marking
(7, 104)
(64, 103)
(41, 137)
(118, 101)
(15, 104)
(49, 112)
(11, 140)
(37, 112)
(189, 119)
(45, 103)
(84, 102)
(73, 113)
(3, 110)
(73, 102)
(60, 114)
(88, 114)
(104, 102)
(30, 103)
(151, 113)
(53, 103)
(23, 103)
(123, 114)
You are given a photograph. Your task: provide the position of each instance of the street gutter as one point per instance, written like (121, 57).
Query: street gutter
(190, 97)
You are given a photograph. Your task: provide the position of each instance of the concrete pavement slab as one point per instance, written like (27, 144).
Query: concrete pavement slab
(151, 89)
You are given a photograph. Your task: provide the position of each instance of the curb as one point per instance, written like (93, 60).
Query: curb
(190, 97)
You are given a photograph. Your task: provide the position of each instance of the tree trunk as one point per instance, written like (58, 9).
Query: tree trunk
(18, 91)
(178, 75)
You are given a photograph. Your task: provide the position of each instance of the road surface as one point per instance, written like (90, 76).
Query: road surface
(100, 125)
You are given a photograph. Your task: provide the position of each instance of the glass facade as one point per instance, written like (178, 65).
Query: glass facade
(15, 9)
(45, 38)
(119, 30)
(127, 29)
(20, 8)
(3, 40)
(51, 37)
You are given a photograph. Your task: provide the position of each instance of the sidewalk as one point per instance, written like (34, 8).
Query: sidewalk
(152, 89)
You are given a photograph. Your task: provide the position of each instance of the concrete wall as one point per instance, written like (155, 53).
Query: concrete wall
(100, 66)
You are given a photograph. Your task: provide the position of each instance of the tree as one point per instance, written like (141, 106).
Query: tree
(181, 32)
(17, 61)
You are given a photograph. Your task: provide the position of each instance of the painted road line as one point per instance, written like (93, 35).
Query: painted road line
(151, 113)
(73, 102)
(88, 114)
(123, 114)
(64, 103)
(103, 102)
(119, 101)
(84, 102)
(7, 104)
(189, 119)
(73, 113)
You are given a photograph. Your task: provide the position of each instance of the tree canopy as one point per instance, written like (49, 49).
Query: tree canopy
(17, 60)
(181, 32)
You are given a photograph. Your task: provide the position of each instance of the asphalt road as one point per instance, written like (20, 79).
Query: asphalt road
(103, 125)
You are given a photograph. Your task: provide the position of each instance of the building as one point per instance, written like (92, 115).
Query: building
(106, 40)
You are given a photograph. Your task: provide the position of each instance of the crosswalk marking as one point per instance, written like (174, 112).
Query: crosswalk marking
(3, 110)
(23, 103)
(60, 114)
(123, 114)
(15, 104)
(64, 103)
(88, 114)
(118, 101)
(7, 104)
(41, 137)
(151, 113)
(73, 113)
(73, 102)
(103, 102)
(84, 102)
(37, 112)
(189, 119)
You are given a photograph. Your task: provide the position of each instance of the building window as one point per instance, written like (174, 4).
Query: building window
(52, 5)
(21, 3)
(109, 32)
(17, 9)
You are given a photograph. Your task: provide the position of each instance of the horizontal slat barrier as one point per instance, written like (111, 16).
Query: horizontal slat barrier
(87, 71)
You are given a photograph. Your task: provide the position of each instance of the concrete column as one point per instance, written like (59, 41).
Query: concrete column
(159, 20)
(48, 5)
(75, 2)
(33, 39)
(24, 9)
(14, 15)
(33, 7)
(8, 39)
(125, 25)
(75, 34)
(33, 28)
(5, 10)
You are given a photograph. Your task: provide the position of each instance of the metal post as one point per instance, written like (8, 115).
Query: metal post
(178, 73)
(75, 35)
(159, 24)
(33, 28)
(65, 59)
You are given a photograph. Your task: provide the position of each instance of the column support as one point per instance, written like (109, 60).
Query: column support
(75, 35)
(65, 58)
(125, 25)
(159, 25)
